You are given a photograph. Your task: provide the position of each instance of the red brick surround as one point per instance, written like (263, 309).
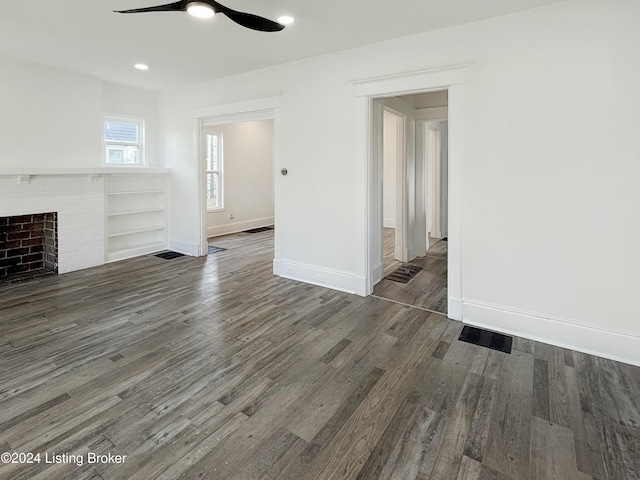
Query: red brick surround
(28, 243)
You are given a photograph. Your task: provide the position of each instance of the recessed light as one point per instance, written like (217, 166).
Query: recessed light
(285, 20)
(141, 66)
(200, 10)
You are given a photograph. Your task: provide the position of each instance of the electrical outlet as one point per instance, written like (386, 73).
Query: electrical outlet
(231, 216)
(291, 270)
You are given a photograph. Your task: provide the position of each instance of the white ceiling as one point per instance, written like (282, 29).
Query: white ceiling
(85, 36)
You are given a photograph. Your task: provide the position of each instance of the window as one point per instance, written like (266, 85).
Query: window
(214, 171)
(124, 141)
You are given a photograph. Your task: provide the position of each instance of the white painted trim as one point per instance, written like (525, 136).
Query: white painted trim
(258, 115)
(231, 109)
(261, 107)
(184, 246)
(457, 106)
(616, 345)
(78, 172)
(400, 242)
(380, 271)
(142, 122)
(323, 277)
(389, 223)
(134, 252)
(454, 308)
(367, 132)
(201, 187)
(434, 182)
(450, 77)
(434, 78)
(239, 226)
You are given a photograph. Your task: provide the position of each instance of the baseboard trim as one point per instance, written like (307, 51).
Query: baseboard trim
(322, 277)
(185, 247)
(616, 345)
(454, 308)
(389, 223)
(237, 227)
(376, 276)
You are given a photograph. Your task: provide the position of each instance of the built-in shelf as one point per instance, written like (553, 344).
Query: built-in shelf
(136, 218)
(135, 251)
(137, 192)
(136, 211)
(132, 231)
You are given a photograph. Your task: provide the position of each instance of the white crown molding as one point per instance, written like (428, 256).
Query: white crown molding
(439, 76)
(249, 106)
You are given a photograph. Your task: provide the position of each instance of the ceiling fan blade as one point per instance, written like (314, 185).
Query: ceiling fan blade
(253, 22)
(170, 7)
(248, 20)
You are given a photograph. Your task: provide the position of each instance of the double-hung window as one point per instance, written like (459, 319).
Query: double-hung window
(124, 141)
(213, 146)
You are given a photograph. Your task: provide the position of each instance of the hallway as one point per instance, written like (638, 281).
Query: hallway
(428, 289)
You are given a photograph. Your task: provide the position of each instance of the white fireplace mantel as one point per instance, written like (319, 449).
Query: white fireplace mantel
(104, 213)
(24, 175)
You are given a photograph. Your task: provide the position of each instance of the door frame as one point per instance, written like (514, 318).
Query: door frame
(243, 110)
(433, 180)
(400, 242)
(451, 78)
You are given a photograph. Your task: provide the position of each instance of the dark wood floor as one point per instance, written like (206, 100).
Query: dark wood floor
(215, 369)
(428, 289)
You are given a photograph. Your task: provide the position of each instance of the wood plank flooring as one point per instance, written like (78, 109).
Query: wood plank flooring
(388, 244)
(213, 368)
(428, 289)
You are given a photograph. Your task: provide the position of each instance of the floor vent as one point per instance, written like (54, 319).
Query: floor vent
(485, 338)
(213, 249)
(258, 230)
(169, 255)
(404, 273)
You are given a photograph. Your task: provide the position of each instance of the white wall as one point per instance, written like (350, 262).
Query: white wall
(389, 161)
(544, 171)
(248, 177)
(135, 103)
(50, 118)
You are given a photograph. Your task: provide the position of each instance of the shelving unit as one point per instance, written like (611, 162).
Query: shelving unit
(136, 215)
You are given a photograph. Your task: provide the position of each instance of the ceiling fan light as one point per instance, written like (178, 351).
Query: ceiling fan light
(200, 10)
(285, 20)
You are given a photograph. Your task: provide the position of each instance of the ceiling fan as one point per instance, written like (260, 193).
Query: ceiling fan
(207, 8)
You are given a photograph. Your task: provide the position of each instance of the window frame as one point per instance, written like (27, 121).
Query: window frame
(141, 124)
(219, 171)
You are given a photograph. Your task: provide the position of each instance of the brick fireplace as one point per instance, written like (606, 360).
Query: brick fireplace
(28, 245)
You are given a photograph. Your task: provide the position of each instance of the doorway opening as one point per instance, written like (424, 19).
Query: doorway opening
(239, 179)
(414, 195)
(238, 193)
